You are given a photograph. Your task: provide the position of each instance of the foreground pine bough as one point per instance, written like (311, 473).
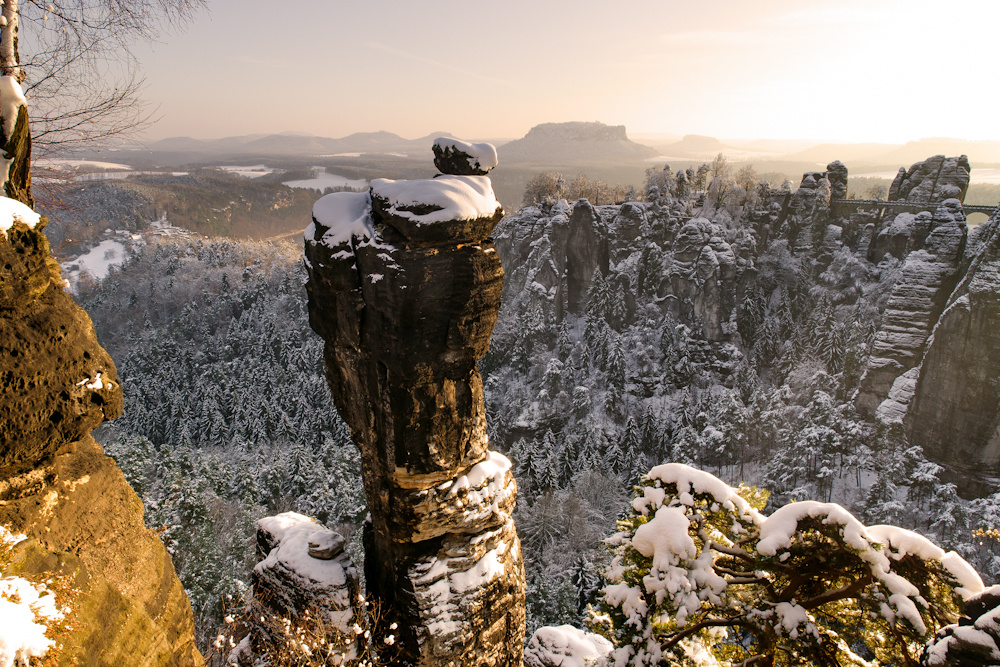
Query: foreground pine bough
(700, 576)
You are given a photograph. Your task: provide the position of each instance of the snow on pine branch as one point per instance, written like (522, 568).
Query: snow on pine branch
(698, 568)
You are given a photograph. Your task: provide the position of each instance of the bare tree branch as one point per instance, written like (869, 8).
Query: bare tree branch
(82, 78)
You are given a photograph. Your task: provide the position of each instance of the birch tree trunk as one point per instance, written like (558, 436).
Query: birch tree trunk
(15, 138)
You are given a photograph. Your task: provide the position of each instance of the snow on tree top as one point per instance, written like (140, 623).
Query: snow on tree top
(971, 582)
(665, 538)
(12, 211)
(691, 480)
(778, 529)
(899, 542)
(345, 215)
(451, 198)
(480, 157)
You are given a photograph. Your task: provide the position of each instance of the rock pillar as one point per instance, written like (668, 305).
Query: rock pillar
(404, 287)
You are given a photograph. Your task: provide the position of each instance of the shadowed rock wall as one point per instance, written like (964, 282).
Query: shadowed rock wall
(404, 287)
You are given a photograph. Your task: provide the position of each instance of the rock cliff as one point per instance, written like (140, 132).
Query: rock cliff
(955, 410)
(929, 273)
(83, 522)
(691, 266)
(404, 287)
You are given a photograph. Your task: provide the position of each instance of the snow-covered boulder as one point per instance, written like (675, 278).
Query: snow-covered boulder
(453, 156)
(565, 646)
(974, 641)
(306, 578)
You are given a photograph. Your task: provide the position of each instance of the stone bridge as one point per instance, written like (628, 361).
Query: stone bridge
(903, 206)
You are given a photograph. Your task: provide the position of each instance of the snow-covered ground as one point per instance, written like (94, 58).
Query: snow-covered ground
(322, 180)
(72, 165)
(26, 609)
(96, 263)
(253, 171)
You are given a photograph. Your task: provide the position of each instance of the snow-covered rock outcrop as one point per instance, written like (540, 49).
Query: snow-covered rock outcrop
(972, 642)
(80, 519)
(305, 588)
(404, 287)
(934, 180)
(686, 265)
(565, 646)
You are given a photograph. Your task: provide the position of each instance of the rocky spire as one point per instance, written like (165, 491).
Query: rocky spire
(404, 287)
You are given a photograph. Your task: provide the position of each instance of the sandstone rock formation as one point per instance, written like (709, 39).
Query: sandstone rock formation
(57, 486)
(304, 577)
(917, 300)
(955, 410)
(934, 180)
(688, 264)
(836, 174)
(404, 287)
(974, 641)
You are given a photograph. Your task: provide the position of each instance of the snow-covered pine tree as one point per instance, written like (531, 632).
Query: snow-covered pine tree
(700, 575)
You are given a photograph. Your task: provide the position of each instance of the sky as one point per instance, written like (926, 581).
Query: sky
(846, 71)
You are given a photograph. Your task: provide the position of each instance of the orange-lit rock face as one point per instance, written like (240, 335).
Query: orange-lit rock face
(57, 487)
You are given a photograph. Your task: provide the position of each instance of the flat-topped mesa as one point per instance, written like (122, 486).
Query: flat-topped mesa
(404, 287)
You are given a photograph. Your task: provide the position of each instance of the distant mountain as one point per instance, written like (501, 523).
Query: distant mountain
(979, 152)
(849, 154)
(695, 146)
(295, 143)
(574, 142)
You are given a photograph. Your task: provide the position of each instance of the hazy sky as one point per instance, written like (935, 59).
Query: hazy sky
(849, 70)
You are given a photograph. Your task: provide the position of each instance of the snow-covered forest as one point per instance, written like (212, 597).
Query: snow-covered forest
(228, 418)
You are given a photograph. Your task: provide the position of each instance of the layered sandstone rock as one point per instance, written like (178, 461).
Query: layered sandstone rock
(305, 592)
(955, 410)
(83, 521)
(934, 180)
(927, 278)
(404, 287)
(559, 250)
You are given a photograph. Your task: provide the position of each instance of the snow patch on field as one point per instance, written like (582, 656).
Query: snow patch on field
(96, 263)
(252, 171)
(322, 180)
